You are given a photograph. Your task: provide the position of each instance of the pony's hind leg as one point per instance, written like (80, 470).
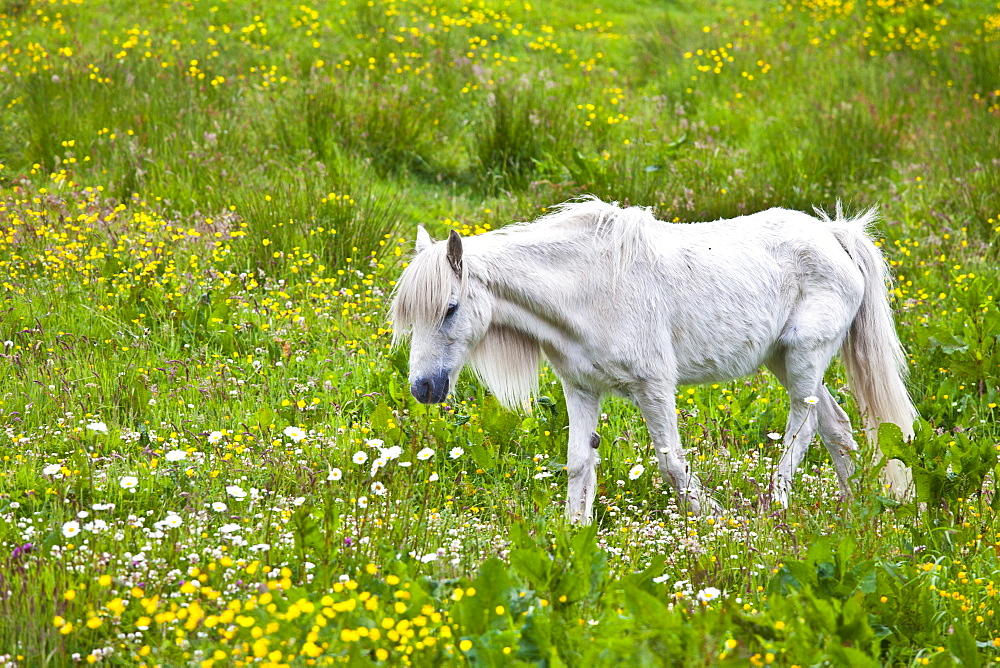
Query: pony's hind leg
(800, 370)
(661, 421)
(581, 461)
(835, 430)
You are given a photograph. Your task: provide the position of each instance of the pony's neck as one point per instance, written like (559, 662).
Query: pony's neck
(538, 284)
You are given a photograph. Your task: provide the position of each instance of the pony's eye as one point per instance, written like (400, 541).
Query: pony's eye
(451, 310)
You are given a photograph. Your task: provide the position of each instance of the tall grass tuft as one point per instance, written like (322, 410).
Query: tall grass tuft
(520, 127)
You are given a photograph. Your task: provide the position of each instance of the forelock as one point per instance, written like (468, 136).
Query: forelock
(420, 298)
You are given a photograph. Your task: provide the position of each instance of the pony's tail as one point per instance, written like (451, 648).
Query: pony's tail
(872, 354)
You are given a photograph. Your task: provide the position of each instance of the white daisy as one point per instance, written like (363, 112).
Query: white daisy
(391, 453)
(295, 433)
(236, 491)
(708, 594)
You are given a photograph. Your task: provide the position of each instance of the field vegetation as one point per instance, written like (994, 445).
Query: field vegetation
(209, 455)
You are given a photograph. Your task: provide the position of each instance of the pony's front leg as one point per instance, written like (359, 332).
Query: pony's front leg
(661, 420)
(581, 461)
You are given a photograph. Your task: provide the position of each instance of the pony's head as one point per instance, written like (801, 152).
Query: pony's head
(445, 320)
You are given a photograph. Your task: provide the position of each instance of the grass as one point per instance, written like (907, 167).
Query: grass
(210, 455)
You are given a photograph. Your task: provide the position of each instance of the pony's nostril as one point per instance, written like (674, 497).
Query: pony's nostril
(421, 390)
(431, 390)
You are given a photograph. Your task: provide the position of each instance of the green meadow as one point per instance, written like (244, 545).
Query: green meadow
(209, 455)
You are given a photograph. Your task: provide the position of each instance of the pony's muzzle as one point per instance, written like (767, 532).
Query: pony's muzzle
(431, 389)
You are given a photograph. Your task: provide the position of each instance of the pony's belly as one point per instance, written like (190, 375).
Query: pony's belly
(715, 371)
(723, 360)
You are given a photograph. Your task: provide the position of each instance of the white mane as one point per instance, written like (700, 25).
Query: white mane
(617, 234)
(506, 361)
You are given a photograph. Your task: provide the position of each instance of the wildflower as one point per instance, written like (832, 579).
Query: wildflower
(52, 469)
(96, 526)
(175, 455)
(774, 436)
(425, 454)
(295, 433)
(360, 457)
(708, 594)
(374, 442)
(219, 507)
(129, 482)
(71, 528)
(215, 437)
(390, 453)
(363, 502)
(543, 474)
(379, 489)
(229, 528)
(99, 427)
(260, 547)
(173, 520)
(433, 478)
(236, 491)
(377, 464)
(427, 558)
(456, 452)
(812, 401)
(335, 474)
(636, 471)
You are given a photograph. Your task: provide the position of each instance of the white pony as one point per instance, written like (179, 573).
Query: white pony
(621, 303)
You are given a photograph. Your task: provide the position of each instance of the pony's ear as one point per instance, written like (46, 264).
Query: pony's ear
(455, 252)
(423, 239)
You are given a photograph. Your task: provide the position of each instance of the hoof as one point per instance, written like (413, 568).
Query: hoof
(779, 492)
(701, 504)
